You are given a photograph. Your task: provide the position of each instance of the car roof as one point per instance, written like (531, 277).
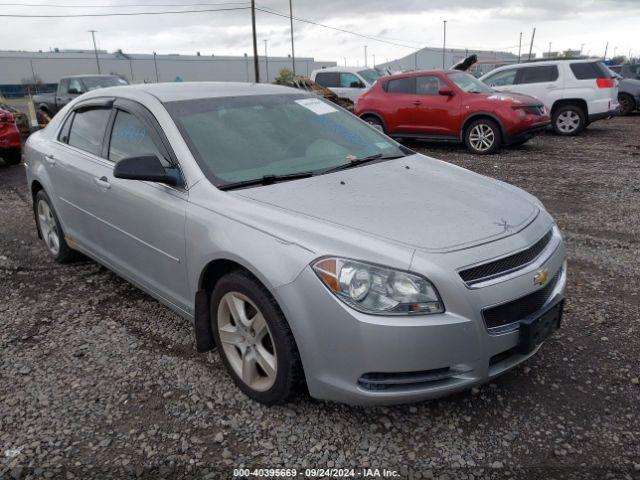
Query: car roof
(420, 72)
(542, 63)
(175, 91)
(93, 75)
(342, 69)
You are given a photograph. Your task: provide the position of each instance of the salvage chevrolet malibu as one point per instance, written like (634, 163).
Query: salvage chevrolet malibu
(304, 244)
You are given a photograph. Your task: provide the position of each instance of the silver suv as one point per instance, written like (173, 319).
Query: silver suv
(305, 245)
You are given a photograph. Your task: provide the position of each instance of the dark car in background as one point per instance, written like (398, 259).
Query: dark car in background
(71, 87)
(453, 106)
(628, 90)
(10, 144)
(628, 70)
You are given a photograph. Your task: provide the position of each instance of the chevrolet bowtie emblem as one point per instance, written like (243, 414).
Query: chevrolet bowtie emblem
(541, 277)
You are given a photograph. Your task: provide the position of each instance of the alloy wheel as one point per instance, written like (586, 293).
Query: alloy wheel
(482, 137)
(247, 341)
(48, 228)
(568, 121)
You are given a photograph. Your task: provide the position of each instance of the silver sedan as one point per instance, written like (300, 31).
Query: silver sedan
(313, 251)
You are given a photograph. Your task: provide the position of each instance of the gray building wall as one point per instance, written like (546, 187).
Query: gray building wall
(18, 68)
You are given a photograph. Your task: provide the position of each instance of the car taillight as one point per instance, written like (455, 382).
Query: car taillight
(605, 82)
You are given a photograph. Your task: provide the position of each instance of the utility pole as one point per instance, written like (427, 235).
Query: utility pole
(256, 64)
(266, 59)
(345, 61)
(374, 60)
(533, 35)
(581, 48)
(293, 55)
(549, 54)
(519, 47)
(444, 41)
(95, 49)
(365, 55)
(606, 49)
(615, 49)
(156, 65)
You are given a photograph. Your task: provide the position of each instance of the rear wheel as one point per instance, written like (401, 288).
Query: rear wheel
(483, 137)
(627, 105)
(12, 156)
(254, 340)
(569, 120)
(50, 229)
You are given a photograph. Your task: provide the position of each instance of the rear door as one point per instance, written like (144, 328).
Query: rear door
(401, 103)
(142, 223)
(435, 114)
(540, 81)
(593, 82)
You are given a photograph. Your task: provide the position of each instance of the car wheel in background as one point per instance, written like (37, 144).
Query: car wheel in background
(254, 340)
(483, 136)
(627, 105)
(12, 156)
(374, 122)
(569, 120)
(50, 230)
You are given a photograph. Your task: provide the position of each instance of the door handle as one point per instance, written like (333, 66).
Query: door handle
(417, 102)
(51, 160)
(102, 182)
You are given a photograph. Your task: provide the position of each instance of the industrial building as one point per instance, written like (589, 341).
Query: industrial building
(430, 58)
(40, 71)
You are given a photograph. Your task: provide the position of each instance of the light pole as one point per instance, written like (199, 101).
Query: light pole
(256, 65)
(95, 49)
(345, 61)
(374, 60)
(519, 47)
(606, 49)
(444, 41)
(549, 54)
(293, 55)
(266, 59)
(365, 55)
(155, 63)
(581, 48)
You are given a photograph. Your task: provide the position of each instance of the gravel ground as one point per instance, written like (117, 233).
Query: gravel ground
(99, 380)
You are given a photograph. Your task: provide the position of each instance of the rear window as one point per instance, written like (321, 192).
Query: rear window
(589, 70)
(328, 79)
(87, 129)
(543, 73)
(401, 85)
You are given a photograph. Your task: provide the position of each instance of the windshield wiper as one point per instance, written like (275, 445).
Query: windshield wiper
(360, 161)
(265, 180)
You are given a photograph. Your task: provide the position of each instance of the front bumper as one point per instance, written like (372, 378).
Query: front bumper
(348, 355)
(527, 134)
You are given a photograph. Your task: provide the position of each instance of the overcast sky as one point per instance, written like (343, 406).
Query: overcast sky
(486, 24)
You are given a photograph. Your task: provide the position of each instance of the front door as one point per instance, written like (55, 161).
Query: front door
(435, 114)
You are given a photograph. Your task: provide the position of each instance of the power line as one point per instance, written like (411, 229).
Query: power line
(123, 14)
(58, 5)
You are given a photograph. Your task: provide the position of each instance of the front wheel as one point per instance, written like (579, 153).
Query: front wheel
(483, 137)
(569, 120)
(627, 105)
(254, 340)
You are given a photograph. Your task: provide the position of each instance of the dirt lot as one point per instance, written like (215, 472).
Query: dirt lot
(98, 377)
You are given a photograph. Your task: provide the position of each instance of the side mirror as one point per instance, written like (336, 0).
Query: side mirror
(73, 91)
(147, 167)
(446, 91)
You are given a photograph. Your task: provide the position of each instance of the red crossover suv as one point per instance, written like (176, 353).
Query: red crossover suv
(10, 146)
(450, 105)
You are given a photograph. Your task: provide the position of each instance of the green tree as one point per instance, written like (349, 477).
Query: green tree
(618, 59)
(285, 76)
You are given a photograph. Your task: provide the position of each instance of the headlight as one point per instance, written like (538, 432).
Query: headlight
(375, 289)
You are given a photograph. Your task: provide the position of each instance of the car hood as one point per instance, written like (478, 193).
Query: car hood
(515, 98)
(416, 201)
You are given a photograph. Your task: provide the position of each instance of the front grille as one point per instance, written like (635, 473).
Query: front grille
(506, 264)
(391, 381)
(519, 308)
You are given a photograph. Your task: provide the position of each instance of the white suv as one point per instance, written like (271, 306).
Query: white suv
(577, 92)
(346, 82)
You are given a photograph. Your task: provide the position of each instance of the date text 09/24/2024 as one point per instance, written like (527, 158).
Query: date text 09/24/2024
(316, 473)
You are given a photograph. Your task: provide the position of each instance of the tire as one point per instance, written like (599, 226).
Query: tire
(49, 229)
(483, 136)
(569, 120)
(627, 104)
(374, 122)
(12, 156)
(256, 336)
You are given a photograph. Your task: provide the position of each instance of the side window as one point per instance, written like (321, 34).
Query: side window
(75, 86)
(589, 70)
(63, 136)
(64, 86)
(402, 85)
(130, 137)
(349, 80)
(328, 79)
(501, 79)
(87, 130)
(428, 85)
(543, 73)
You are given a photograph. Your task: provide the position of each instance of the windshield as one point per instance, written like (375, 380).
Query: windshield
(92, 83)
(237, 139)
(468, 83)
(370, 75)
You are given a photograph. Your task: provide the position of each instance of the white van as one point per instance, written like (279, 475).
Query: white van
(577, 92)
(346, 82)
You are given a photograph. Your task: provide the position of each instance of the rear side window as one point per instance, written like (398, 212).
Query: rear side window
(543, 73)
(131, 138)
(328, 79)
(402, 85)
(590, 70)
(87, 130)
(428, 85)
(501, 79)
